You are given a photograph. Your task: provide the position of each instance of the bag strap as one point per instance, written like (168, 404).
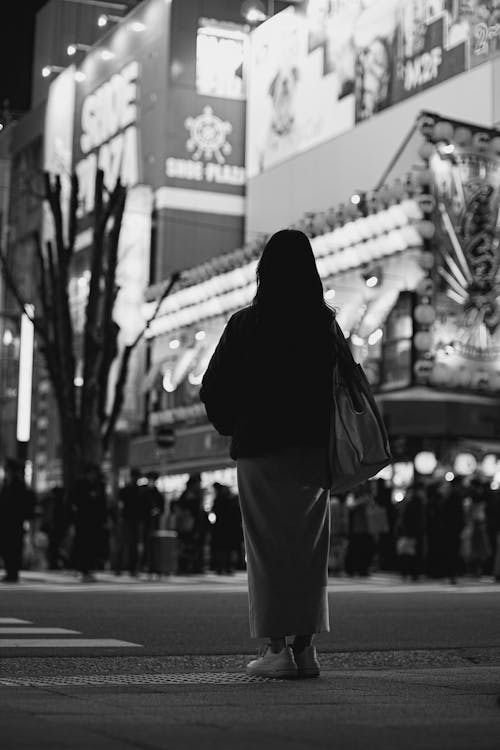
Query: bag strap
(341, 346)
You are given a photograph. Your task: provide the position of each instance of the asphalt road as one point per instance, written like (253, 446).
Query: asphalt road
(171, 622)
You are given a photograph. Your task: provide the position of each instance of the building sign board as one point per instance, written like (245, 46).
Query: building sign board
(315, 72)
(108, 138)
(209, 144)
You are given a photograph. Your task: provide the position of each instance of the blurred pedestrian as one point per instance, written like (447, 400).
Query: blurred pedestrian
(56, 521)
(89, 503)
(154, 508)
(361, 542)
(451, 524)
(477, 548)
(269, 386)
(495, 523)
(433, 559)
(226, 531)
(339, 532)
(132, 510)
(386, 545)
(192, 526)
(410, 531)
(17, 505)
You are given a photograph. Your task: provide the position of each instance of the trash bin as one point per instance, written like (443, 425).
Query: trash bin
(164, 552)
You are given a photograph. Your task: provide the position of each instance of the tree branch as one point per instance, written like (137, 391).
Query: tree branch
(108, 326)
(73, 222)
(124, 364)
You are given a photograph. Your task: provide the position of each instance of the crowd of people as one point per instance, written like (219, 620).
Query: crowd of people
(93, 530)
(440, 530)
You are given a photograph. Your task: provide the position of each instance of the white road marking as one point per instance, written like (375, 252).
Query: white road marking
(13, 621)
(36, 631)
(66, 643)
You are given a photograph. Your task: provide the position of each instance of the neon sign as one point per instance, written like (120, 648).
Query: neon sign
(109, 138)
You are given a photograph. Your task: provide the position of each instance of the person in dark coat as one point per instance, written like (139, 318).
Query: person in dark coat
(154, 508)
(90, 517)
(494, 517)
(451, 524)
(192, 526)
(361, 542)
(269, 386)
(226, 532)
(410, 530)
(17, 505)
(133, 511)
(56, 522)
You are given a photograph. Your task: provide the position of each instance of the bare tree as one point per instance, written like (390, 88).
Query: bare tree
(87, 416)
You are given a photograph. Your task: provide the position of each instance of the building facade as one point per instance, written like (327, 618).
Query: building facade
(401, 203)
(324, 118)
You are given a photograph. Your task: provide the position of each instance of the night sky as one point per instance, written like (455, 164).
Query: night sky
(17, 23)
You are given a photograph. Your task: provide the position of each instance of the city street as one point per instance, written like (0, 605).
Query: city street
(161, 664)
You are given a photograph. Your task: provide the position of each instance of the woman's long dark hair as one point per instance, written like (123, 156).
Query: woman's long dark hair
(288, 282)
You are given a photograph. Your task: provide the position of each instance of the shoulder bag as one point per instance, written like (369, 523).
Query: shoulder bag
(358, 444)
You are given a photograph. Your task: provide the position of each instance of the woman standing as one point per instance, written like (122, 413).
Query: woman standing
(269, 386)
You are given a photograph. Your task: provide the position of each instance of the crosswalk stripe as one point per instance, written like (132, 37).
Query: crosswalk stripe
(36, 631)
(66, 643)
(13, 621)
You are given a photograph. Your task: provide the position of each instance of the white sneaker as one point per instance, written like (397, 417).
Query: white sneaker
(281, 665)
(307, 662)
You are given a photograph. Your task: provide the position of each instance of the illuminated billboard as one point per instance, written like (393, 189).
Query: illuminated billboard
(316, 72)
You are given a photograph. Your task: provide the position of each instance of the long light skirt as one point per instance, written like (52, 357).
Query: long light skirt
(286, 524)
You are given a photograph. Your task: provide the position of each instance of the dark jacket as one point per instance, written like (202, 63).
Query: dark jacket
(269, 384)
(17, 504)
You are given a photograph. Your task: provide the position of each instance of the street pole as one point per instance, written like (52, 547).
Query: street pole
(25, 384)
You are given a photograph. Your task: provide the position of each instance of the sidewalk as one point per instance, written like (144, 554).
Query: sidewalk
(378, 582)
(384, 709)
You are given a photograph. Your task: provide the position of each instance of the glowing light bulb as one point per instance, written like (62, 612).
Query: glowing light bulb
(375, 336)
(357, 340)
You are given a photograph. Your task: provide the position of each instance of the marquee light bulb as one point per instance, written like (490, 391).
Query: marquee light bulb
(371, 281)
(137, 26)
(357, 340)
(80, 76)
(106, 54)
(102, 21)
(46, 71)
(71, 50)
(449, 148)
(374, 337)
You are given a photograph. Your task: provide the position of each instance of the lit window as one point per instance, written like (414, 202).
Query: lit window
(220, 52)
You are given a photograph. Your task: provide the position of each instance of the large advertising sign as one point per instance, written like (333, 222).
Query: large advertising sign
(314, 73)
(120, 105)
